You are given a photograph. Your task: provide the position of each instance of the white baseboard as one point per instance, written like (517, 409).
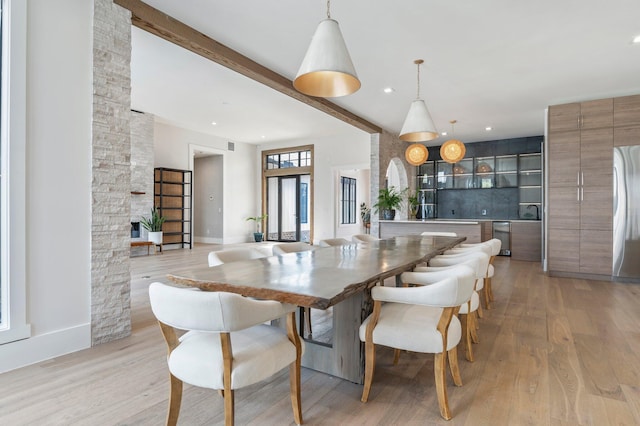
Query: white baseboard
(208, 240)
(43, 347)
(227, 240)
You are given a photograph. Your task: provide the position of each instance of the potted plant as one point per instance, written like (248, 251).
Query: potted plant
(365, 215)
(257, 236)
(389, 199)
(412, 202)
(154, 226)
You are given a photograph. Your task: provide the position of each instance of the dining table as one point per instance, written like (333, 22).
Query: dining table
(338, 277)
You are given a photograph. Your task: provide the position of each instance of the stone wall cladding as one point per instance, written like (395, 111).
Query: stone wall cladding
(142, 160)
(385, 147)
(111, 174)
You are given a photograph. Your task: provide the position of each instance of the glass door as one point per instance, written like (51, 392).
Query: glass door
(288, 206)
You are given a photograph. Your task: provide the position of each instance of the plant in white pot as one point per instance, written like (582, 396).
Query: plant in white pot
(257, 236)
(153, 225)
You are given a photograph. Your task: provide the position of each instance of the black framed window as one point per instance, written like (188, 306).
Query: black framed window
(348, 200)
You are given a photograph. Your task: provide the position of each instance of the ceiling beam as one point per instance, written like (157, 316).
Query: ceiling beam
(162, 25)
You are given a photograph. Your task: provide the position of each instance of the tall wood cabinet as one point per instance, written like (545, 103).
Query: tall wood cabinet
(580, 187)
(172, 197)
(626, 120)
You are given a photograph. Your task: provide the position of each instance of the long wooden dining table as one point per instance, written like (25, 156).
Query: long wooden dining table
(340, 277)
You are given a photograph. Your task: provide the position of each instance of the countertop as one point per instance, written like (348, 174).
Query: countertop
(460, 221)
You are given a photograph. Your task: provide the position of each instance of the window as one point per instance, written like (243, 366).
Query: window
(348, 200)
(287, 177)
(285, 160)
(13, 325)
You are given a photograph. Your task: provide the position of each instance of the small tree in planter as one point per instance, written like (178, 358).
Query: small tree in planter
(154, 226)
(389, 199)
(258, 236)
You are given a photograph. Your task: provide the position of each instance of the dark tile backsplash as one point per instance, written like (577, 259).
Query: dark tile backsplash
(499, 203)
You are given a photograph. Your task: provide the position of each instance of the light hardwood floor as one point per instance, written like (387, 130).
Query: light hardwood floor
(553, 351)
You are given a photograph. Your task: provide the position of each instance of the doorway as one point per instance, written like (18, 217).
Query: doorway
(288, 206)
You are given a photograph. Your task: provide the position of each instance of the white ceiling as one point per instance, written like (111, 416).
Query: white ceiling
(492, 63)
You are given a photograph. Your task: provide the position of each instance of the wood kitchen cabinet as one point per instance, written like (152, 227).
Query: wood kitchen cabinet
(626, 121)
(580, 187)
(526, 240)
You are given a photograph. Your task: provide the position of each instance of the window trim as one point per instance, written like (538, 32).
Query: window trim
(13, 169)
(352, 200)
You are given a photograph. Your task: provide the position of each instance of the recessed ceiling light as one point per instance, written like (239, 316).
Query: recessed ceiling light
(636, 39)
(388, 90)
(263, 136)
(488, 128)
(444, 133)
(213, 123)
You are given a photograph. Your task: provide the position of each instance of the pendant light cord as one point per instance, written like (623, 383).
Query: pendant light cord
(418, 62)
(328, 9)
(418, 92)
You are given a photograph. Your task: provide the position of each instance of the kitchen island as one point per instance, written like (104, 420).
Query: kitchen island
(526, 241)
(472, 229)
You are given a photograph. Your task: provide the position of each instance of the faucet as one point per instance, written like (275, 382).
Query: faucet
(537, 210)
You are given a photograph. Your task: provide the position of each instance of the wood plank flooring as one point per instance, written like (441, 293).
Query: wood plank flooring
(553, 351)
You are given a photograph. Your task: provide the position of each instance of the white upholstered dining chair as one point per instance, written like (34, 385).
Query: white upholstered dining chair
(226, 346)
(233, 255)
(284, 248)
(491, 247)
(419, 319)
(331, 242)
(478, 261)
(363, 238)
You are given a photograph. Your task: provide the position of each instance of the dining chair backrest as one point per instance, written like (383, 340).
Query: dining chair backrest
(331, 242)
(233, 255)
(455, 259)
(363, 238)
(192, 309)
(444, 296)
(280, 249)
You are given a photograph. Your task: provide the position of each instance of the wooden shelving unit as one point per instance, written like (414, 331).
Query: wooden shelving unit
(173, 198)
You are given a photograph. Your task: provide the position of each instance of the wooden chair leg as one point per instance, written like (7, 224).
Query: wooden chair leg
(466, 335)
(453, 366)
(175, 398)
(480, 313)
(294, 386)
(369, 367)
(473, 328)
(396, 356)
(489, 289)
(439, 367)
(487, 299)
(228, 407)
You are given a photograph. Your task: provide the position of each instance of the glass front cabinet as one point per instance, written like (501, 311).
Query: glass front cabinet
(426, 186)
(521, 171)
(530, 186)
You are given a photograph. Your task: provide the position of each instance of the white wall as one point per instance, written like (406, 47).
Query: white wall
(172, 149)
(347, 151)
(58, 161)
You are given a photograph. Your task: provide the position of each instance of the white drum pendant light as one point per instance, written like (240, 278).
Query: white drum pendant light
(452, 150)
(327, 70)
(418, 126)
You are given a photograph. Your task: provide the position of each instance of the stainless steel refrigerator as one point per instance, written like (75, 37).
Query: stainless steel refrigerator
(626, 212)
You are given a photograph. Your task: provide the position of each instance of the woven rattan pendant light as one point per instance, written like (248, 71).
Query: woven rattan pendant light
(452, 150)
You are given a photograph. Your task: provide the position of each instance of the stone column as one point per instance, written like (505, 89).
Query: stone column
(111, 173)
